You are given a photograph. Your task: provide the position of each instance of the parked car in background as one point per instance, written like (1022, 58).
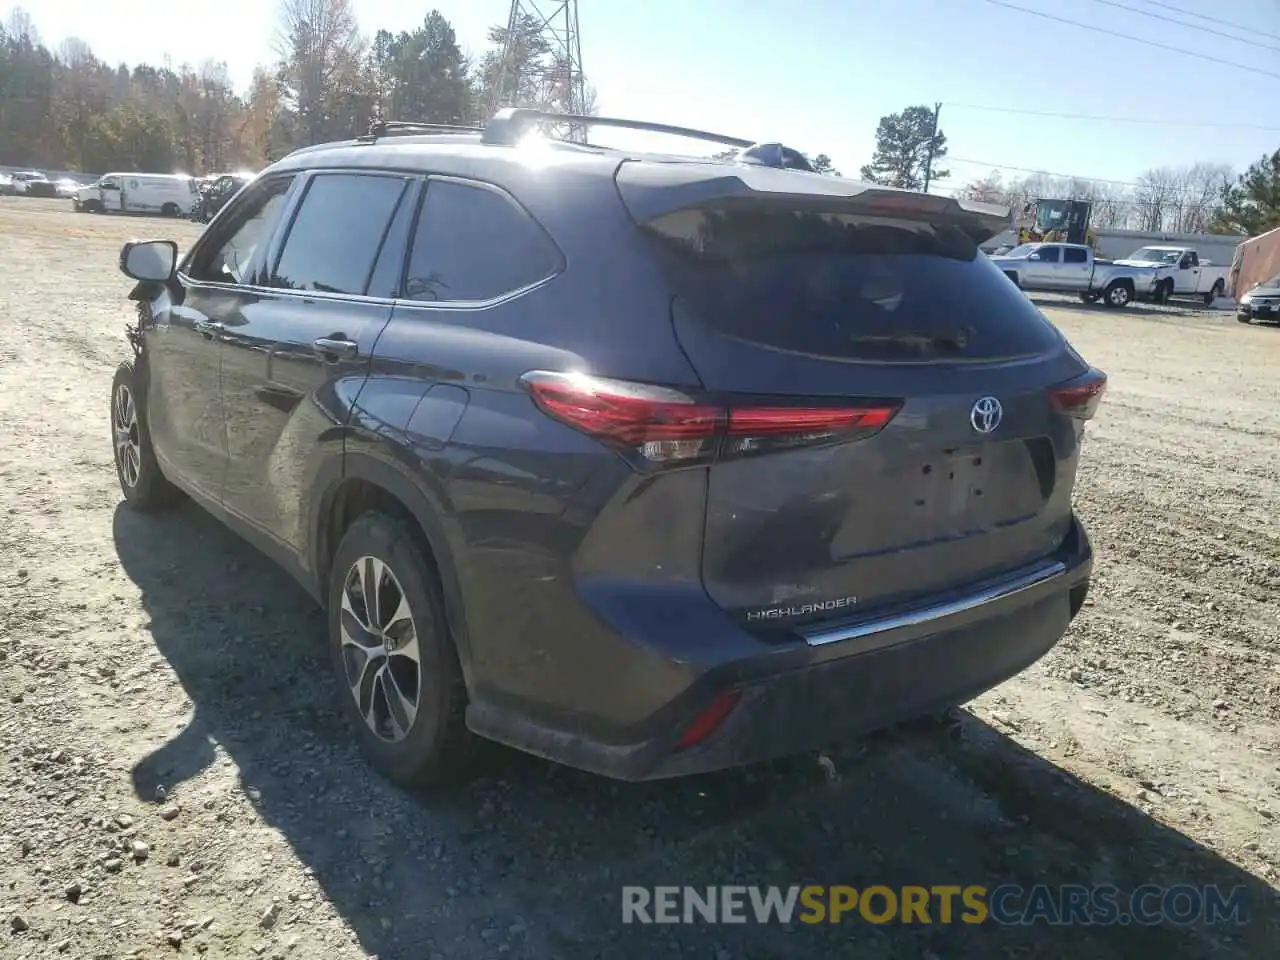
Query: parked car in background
(649, 465)
(1072, 268)
(67, 187)
(1183, 274)
(1261, 302)
(168, 194)
(214, 192)
(32, 183)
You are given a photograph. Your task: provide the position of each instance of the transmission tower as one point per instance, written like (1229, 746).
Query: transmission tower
(541, 62)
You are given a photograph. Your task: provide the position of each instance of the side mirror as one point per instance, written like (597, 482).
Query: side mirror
(108, 186)
(149, 260)
(1034, 256)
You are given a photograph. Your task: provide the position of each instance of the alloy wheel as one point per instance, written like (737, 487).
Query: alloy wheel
(380, 650)
(128, 441)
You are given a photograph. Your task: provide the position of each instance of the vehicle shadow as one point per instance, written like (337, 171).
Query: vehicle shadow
(528, 860)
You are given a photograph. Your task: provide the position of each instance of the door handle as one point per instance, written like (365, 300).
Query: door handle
(209, 328)
(333, 349)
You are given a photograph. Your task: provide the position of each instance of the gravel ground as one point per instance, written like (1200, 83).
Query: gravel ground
(175, 779)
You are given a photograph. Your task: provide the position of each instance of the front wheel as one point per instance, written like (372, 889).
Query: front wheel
(397, 670)
(1118, 294)
(143, 485)
(170, 210)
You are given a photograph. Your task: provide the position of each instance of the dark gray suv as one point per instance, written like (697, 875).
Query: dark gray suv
(646, 464)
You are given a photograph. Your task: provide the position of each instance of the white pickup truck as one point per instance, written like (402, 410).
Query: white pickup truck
(1072, 268)
(1183, 275)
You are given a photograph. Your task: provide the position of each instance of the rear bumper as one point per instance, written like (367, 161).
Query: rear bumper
(848, 679)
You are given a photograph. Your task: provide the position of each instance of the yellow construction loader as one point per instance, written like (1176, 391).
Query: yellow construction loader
(1057, 221)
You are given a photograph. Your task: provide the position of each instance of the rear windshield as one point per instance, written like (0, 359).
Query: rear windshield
(851, 286)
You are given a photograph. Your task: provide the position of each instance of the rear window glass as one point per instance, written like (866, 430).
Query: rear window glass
(844, 285)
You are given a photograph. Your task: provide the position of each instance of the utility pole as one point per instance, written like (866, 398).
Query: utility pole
(557, 81)
(933, 138)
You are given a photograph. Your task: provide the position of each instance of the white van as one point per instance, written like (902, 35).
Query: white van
(168, 194)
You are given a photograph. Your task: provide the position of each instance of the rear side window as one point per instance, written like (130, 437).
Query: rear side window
(474, 244)
(337, 233)
(1074, 255)
(847, 286)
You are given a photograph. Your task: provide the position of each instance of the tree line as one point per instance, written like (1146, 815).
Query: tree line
(67, 109)
(1200, 198)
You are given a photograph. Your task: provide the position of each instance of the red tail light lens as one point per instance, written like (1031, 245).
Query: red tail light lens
(709, 719)
(667, 426)
(1081, 398)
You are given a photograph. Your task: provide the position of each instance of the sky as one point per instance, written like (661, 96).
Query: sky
(818, 74)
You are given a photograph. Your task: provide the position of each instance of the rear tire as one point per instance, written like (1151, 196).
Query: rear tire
(170, 210)
(1118, 294)
(406, 700)
(144, 486)
(1213, 294)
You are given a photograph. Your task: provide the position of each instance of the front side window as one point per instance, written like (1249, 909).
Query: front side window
(1049, 254)
(229, 254)
(337, 233)
(475, 244)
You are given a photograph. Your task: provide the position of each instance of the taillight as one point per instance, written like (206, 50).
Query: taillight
(665, 426)
(1080, 398)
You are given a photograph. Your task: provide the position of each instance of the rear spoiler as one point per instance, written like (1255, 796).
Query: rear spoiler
(652, 189)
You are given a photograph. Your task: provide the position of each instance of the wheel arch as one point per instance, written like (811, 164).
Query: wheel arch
(359, 483)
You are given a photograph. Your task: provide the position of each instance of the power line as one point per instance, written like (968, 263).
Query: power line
(1089, 116)
(1061, 176)
(1165, 18)
(1201, 16)
(1132, 39)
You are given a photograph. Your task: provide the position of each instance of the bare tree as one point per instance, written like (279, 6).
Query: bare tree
(1203, 185)
(320, 47)
(21, 27)
(74, 52)
(1157, 196)
(990, 189)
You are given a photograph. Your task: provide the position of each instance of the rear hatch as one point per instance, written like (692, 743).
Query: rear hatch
(902, 421)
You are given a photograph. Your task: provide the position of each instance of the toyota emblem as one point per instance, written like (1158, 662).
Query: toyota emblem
(986, 415)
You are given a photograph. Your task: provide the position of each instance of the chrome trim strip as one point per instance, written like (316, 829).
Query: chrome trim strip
(940, 611)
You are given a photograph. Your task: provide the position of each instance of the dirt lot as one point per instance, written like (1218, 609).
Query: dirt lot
(174, 777)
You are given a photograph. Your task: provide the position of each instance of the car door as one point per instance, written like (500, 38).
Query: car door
(184, 343)
(1187, 278)
(112, 193)
(1044, 269)
(302, 349)
(1076, 270)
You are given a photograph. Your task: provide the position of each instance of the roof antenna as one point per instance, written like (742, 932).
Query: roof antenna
(774, 155)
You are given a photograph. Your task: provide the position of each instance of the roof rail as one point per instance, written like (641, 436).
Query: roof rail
(511, 123)
(381, 128)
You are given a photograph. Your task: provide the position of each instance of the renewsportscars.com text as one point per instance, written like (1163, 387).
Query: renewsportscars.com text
(1006, 904)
